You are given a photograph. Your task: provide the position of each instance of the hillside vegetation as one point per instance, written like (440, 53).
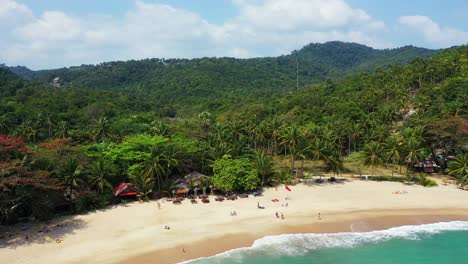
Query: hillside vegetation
(124, 122)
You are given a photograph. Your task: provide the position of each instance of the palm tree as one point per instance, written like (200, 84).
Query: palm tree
(143, 184)
(414, 152)
(275, 126)
(206, 119)
(317, 150)
(102, 129)
(153, 166)
(50, 125)
(5, 125)
(170, 157)
(459, 168)
(264, 166)
(159, 128)
(334, 163)
(62, 130)
(100, 172)
(72, 174)
(372, 155)
(290, 139)
(355, 132)
(393, 150)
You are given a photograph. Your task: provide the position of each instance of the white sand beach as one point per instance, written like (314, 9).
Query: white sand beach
(125, 233)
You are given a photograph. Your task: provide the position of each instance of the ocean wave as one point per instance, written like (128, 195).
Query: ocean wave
(300, 244)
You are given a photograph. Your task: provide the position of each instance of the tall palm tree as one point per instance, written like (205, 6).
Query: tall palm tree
(102, 129)
(159, 128)
(5, 125)
(459, 168)
(72, 174)
(393, 146)
(414, 152)
(317, 150)
(62, 129)
(275, 126)
(171, 159)
(355, 132)
(100, 173)
(263, 165)
(50, 125)
(334, 163)
(372, 155)
(290, 139)
(206, 119)
(154, 166)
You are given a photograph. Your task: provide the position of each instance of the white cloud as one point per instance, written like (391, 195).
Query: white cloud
(12, 13)
(295, 14)
(147, 30)
(432, 32)
(52, 26)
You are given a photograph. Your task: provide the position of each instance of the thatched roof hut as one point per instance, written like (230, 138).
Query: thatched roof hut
(195, 176)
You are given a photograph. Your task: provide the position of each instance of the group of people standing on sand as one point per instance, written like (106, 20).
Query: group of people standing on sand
(278, 215)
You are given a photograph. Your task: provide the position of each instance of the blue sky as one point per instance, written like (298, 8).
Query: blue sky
(56, 33)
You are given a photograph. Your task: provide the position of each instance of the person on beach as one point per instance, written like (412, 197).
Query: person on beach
(183, 250)
(277, 215)
(159, 205)
(319, 217)
(282, 215)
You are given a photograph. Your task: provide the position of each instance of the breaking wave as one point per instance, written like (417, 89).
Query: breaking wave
(301, 244)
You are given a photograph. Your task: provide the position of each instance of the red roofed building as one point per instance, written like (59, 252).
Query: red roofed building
(125, 189)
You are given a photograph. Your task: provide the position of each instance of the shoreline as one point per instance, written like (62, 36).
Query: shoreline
(135, 231)
(332, 222)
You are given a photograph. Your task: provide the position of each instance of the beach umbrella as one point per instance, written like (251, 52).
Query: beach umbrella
(287, 188)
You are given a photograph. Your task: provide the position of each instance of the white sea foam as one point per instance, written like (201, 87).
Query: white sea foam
(300, 244)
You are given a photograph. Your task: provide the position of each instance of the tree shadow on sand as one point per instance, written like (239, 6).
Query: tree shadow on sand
(53, 232)
(325, 182)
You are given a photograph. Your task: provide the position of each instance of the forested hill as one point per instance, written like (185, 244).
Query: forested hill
(205, 76)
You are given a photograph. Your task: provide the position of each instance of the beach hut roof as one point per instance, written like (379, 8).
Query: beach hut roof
(182, 185)
(195, 175)
(124, 189)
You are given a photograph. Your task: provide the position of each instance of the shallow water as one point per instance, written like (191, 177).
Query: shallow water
(433, 243)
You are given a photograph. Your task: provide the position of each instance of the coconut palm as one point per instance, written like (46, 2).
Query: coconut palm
(5, 125)
(317, 150)
(334, 163)
(154, 166)
(355, 132)
(414, 152)
(102, 129)
(72, 174)
(393, 146)
(171, 159)
(159, 128)
(143, 184)
(275, 126)
(264, 166)
(206, 119)
(100, 173)
(372, 155)
(62, 129)
(459, 168)
(290, 139)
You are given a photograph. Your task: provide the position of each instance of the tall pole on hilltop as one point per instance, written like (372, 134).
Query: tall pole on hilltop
(297, 73)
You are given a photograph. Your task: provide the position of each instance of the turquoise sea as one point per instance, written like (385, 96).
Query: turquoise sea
(429, 244)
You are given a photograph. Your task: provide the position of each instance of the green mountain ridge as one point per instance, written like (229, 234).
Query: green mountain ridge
(317, 62)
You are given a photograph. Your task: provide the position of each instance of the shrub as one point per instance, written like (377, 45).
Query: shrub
(386, 178)
(92, 201)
